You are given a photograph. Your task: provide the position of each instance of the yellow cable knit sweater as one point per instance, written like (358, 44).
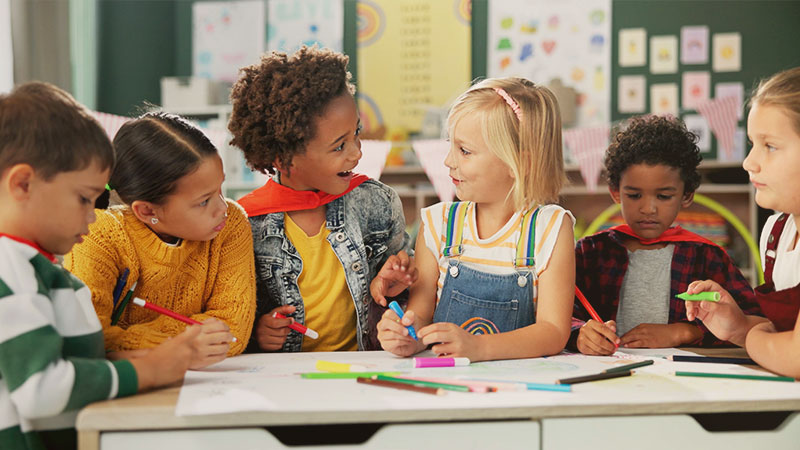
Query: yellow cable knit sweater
(199, 279)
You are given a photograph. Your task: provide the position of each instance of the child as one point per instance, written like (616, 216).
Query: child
(54, 162)
(186, 248)
(320, 231)
(632, 273)
(773, 126)
(496, 271)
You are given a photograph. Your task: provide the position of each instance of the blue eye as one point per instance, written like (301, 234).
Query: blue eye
(204, 202)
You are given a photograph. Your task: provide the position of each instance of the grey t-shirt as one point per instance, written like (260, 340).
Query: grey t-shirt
(644, 296)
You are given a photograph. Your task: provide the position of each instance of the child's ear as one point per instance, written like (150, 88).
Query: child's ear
(614, 194)
(144, 211)
(18, 181)
(688, 198)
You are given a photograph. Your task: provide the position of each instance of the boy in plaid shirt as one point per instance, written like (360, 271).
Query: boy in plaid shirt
(631, 273)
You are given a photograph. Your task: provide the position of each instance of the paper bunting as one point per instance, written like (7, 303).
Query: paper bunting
(588, 145)
(721, 115)
(431, 154)
(111, 123)
(373, 158)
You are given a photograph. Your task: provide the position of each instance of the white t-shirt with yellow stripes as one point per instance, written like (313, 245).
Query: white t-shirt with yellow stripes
(496, 253)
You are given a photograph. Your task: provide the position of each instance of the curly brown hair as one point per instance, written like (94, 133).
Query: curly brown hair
(654, 140)
(275, 103)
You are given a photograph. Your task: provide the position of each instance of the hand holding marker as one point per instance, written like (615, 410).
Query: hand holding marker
(302, 329)
(394, 306)
(700, 297)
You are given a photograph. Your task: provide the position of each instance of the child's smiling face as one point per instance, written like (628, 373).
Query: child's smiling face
(650, 198)
(330, 157)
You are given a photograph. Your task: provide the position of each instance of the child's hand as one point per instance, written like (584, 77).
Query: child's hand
(271, 332)
(397, 274)
(168, 362)
(212, 344)
(724, 318)
(597, 338)
(393, 334)
(653, 335)
(451, 340)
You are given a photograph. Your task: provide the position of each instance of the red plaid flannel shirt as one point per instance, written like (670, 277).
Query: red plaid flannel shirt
(601, 261)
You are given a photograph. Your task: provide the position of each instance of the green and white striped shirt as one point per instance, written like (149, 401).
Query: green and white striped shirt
(52, 357)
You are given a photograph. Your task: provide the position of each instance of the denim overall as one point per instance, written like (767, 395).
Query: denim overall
(486, 303)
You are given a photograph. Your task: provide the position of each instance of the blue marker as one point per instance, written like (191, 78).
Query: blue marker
(399, 311)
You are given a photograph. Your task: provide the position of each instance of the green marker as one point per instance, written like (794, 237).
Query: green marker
(700, 297)
(734, 376)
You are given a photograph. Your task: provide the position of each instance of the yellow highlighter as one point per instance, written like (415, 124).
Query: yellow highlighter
(330, 366)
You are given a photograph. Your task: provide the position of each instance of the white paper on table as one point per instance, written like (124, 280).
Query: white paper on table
(373, 158)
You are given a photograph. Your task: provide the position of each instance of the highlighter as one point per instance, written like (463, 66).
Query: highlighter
(394, 306)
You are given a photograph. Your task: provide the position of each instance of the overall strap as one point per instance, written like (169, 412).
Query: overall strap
(772, 246)
(526, 244)
(455, 216)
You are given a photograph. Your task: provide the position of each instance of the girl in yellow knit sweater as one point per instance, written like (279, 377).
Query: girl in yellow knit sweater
(186, 247)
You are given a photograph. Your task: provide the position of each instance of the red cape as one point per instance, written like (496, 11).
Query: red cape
(274, 197)
(674, 234)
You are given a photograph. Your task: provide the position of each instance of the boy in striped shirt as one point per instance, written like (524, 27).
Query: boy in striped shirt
(54, 162)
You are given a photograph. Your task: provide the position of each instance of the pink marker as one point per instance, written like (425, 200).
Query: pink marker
(297, 327)
(440, 362)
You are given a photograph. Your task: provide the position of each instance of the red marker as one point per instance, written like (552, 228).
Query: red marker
(167, 312)
(297, 327)
(588, 307)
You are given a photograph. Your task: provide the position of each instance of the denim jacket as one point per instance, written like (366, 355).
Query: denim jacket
(366, 226)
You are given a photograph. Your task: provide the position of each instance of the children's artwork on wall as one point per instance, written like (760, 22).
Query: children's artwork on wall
(735, 90)
(694, 45)
(739, 150)
(226, 36)
(664, 99)
(695, 87)
(631, 94)
(727, 48)
(294, 23)
(698, 125)
(632, 47)
(544, 41)
(403, 66)
(663, 54)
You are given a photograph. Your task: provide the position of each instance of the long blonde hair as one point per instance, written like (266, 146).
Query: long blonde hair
(783, 90)
(530, 145)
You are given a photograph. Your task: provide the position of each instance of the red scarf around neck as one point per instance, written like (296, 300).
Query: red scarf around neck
(674, 234)
(274, 197)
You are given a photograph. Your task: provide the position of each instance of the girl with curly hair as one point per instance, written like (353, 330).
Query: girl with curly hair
(496, 270)
(321, 232)
(631, 273)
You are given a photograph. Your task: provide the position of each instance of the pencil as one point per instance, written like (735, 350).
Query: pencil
(587, 305)
(735, 376)
(402, 386)
(630, 366)
(594, 377)
(713, 359)
(446, 386)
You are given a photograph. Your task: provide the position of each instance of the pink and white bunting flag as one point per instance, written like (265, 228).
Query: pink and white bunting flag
(431, 154)
(373, 158)
(111, 123)
(721, 115)
(588, 146)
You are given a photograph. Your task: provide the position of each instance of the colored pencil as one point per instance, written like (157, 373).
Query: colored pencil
(524, 385)
(446, 386)
(594, 377)
(342, 375)
(587, 305)
(734, 376)
(630, 366)
(120, 284)
(121, 307)
(474, 386)
(713, 359)
(402, 386)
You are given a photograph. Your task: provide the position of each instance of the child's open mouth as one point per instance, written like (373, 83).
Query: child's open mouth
(345, 174)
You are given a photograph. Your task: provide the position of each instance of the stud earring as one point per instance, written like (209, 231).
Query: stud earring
(154, 220)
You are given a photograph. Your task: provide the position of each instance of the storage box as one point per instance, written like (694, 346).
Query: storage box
(180, 92)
